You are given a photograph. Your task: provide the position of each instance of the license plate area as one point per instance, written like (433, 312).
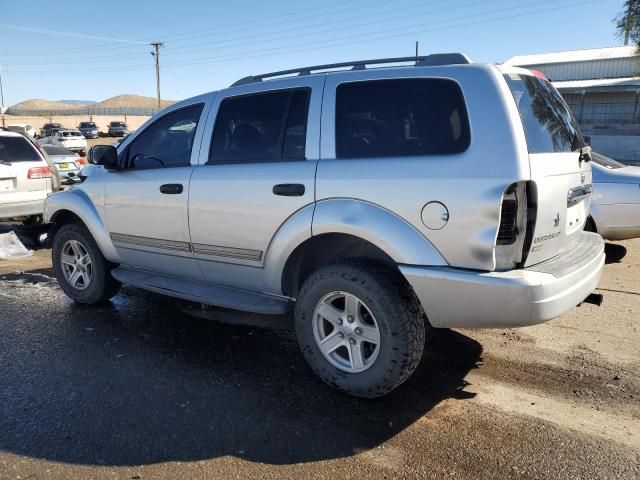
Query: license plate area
(65, 166)
(7, 184)
(576, 216)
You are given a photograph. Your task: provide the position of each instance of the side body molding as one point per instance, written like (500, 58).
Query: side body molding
(387, 231)
(78, 202)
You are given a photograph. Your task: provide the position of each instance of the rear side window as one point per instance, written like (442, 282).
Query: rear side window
(264, 127)
(400, 118)
(167, 142)
(549, 125)
(17, 149)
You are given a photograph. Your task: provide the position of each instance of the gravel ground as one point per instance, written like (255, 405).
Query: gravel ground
(150, 387)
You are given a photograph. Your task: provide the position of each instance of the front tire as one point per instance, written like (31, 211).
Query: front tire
(360, 327)
(80, 268)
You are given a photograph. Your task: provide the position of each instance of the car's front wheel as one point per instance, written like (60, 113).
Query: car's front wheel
(360, 327)
(80, 268)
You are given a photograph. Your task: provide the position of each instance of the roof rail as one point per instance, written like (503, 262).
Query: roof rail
(424, 61)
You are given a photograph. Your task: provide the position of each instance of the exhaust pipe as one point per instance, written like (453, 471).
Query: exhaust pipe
(594, 299)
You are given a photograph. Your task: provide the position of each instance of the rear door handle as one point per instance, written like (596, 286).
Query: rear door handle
(289, 189)
(171, 188)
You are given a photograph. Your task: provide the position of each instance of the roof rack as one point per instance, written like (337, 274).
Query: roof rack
(424, 61)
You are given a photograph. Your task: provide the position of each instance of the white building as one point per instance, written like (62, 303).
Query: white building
(602, 86)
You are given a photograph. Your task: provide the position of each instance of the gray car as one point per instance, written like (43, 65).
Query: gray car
(615, 209)
(118, 129)
(373, 203)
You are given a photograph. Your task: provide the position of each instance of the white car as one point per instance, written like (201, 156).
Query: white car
(615, 206)
(23, 128)
(69, 139)
(66, 163)
(25, 178)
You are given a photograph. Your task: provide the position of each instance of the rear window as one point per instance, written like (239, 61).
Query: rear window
(16, 149)
(118, 124)
(87, 124)
(549, 125)
(400, 118)
(57, 150)
(70, 134)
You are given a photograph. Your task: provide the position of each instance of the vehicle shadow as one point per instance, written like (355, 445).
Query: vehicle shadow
(614, 252)
(28, 235)
(137, 382)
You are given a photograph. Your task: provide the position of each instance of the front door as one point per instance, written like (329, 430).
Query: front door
(259, 172)
(146, 200)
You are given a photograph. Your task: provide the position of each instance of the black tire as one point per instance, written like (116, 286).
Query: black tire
(396, 310)
(102, 285)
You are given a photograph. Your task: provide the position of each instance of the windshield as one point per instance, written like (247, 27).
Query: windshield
(606, 162)
(117, 124)
(548, 122)
(87, 125)
(17, 149)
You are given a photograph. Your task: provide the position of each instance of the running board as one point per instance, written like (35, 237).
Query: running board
(208, 293)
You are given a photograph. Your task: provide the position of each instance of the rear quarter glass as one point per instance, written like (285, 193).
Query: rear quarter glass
(548, 123)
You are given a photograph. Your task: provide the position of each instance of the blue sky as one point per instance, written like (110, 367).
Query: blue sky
(88, 50)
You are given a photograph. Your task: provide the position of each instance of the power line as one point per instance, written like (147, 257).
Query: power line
(173, 50)
(282, 50)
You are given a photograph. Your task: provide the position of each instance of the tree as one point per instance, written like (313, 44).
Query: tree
(628, 22)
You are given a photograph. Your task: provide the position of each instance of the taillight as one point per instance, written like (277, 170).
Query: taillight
(514, 223)
(39, 172)
(80, 162)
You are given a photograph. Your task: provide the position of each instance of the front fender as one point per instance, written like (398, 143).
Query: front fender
(77, 201)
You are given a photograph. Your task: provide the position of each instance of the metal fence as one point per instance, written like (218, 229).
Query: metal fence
(605, 113)
(67, 112)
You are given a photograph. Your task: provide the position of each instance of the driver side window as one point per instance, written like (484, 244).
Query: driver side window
(167, 142)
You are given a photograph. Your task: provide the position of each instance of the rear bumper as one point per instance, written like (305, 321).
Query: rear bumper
(21, 209)
(456, 298)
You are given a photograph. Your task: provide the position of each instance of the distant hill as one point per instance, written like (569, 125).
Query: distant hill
(78, 102)
(120, 104)
(131, 101)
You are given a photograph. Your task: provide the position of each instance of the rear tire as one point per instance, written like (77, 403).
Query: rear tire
(383, 302)
(80, 268)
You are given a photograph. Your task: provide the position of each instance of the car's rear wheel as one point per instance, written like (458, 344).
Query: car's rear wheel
(80, 268)
(360, 327)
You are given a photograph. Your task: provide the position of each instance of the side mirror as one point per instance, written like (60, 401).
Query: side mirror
(587, 140)
(104, 155)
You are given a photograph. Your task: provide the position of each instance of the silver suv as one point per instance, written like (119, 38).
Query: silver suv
(374, 202)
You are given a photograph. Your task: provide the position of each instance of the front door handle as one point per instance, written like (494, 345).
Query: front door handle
(289, 189)
(171, 188)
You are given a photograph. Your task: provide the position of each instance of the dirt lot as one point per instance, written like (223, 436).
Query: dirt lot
(148, 387)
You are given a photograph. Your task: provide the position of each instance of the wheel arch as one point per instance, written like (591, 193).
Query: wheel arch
(337, 229)
(74, 206)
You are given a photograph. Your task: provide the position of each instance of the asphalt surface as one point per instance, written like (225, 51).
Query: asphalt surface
(151, 387)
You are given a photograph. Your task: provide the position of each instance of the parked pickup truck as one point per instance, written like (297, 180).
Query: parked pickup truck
(375, 203)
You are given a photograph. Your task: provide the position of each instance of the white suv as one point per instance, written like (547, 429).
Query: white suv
(371, 201)
(25, 177)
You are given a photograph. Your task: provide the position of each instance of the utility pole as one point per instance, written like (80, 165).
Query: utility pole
(416, 48)
(156, 54)
(1, 98)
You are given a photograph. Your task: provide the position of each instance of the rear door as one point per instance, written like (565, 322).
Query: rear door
(561, 177)
(258, 171)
